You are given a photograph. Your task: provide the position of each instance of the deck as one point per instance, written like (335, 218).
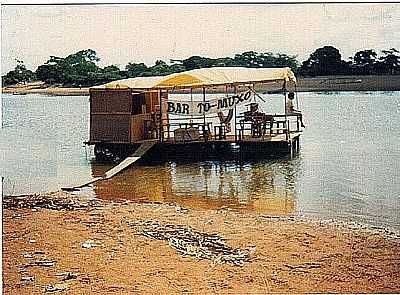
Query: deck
(259, 135)
(227, 148)
(231, 139)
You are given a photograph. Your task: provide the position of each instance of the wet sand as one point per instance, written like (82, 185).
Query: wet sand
(317, 84)
(290, 255)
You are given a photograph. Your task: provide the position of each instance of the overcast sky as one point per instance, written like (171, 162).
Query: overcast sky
(145, 33)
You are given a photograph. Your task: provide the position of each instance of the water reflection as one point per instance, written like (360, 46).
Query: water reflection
(267, 186)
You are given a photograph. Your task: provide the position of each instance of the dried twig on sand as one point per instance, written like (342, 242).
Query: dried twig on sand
(53, 202)
(188, 241)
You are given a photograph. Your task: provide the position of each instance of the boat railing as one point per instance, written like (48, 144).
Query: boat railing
(186, 130)
(267, 126)
(197, 129)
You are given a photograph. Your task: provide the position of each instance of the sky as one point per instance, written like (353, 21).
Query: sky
(145, 33)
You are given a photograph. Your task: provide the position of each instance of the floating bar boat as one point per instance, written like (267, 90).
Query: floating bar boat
(128, 113)
(142, 117)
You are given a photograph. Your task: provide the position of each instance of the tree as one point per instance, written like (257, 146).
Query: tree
(19, 75)
(51, 72)
(248, 59)
(79, 65)
(197, 62)
(390, 62)
(76, 69)
(135, 70)
(223, 62)
(324, 61)
(364, 62)
(110, 73)
(252, 59)
(160, 68)
(176, 67)
(365, 57)
(279, 60)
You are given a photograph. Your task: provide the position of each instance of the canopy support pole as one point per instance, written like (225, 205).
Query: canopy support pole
(234, 90)
(297, 108)
(204, 114)
(286, 118)
(191, 103)
(161, 119)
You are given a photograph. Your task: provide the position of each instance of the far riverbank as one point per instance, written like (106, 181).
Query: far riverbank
(317, 84)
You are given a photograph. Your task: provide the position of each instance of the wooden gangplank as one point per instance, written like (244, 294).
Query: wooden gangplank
(140, 152)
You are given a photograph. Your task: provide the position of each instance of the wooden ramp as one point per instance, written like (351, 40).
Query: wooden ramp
(141, 150)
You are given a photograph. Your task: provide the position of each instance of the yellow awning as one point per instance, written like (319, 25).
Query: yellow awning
(225, 76)
(205, 77)
(138, 83)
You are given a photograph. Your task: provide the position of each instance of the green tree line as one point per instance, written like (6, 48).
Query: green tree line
(81, 69)
(327, 61)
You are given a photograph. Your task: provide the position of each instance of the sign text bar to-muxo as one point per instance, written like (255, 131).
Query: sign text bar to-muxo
(196, 108)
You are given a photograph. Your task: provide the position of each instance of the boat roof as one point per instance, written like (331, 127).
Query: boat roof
(138, 83)
(204, 77)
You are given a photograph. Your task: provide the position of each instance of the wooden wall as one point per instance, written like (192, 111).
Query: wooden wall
(110, 112)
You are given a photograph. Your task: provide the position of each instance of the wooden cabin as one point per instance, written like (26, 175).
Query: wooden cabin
(123, 116)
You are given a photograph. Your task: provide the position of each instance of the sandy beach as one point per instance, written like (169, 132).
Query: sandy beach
(94, 247)
(41, 88)
(317, 84)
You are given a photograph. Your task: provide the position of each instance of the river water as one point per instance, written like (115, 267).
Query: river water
(348, 167)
